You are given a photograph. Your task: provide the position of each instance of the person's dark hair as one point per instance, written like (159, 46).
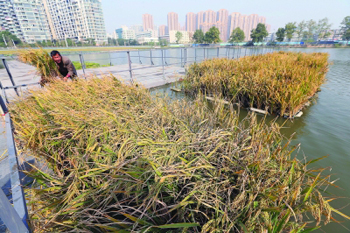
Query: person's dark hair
(54, 53)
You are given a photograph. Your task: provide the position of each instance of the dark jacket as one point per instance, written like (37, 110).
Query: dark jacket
(66, 67)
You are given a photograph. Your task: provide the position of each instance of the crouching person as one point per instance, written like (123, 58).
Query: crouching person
(64, 65)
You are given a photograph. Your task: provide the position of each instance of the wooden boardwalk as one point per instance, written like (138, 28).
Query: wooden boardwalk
(146, 75)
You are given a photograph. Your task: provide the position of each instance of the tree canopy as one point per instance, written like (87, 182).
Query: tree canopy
(345, 27)
(259, 33)
(9, 37)
(198, 36)
(178, 36)
(289, 30)
(322, 28)
(280, 34)
(237, 35)
(300, 29)
(212, 36)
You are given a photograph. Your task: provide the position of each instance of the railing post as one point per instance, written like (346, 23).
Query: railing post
(181, 58)
(82, 63)
(163, 63)
(245, 52)
(9, 215)
(185, 57)
(9, 74)
(218, 52)
(130, 70)
(150, 56)
(204, 52)
(139, 56)
(195, 54)
(3, 106)
(19, 201)
(233, 54)
(110, 59)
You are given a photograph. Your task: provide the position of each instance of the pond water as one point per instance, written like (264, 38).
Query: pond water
(324, 129)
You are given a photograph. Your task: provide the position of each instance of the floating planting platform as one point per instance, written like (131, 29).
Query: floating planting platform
(280, 82)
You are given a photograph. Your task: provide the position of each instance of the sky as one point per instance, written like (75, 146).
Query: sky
(277, 12)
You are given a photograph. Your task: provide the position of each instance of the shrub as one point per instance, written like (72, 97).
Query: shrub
(87, 64)
(280, 82)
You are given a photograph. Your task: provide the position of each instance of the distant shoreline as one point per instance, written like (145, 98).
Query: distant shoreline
(11, 52)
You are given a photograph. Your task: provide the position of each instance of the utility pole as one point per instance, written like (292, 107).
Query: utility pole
(3, 37)
(14, 44)
(65, 37)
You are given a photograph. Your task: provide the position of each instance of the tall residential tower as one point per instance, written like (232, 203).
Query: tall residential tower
(26, 19)
(173, 21)
(76, 19)
(147, 21)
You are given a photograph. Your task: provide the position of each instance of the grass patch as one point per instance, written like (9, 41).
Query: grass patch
(280, 82)
(88, 65)
(123, 160)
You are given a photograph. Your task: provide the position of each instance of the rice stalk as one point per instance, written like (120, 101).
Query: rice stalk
(122, 161)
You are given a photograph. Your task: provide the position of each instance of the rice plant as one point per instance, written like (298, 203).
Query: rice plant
(42, 61)
(280, 82)
(122, 160)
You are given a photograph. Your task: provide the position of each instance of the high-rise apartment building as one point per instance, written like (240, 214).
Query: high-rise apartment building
(173, 21)
(8, 19)
(222, 23)
(78, 19)
(200, 19)
(162, 30)
(26, 19)
(147, 20)
(245, 22)
(210, 17)
(262, 19)
(190, 22)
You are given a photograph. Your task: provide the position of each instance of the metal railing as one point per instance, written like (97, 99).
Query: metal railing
(182, 57)
(16, 217)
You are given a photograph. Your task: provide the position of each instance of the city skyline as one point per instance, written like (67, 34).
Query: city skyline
(277, 13)
(225, 21)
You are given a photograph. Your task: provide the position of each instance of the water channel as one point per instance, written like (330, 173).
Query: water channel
(324, 129)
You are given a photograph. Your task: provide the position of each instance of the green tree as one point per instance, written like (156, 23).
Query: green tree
(198, 36)
(212, 36)
(178, 36)
(237, 35)
(9, 37)
(311, 27)
(289, 30)
(163, 42)
(259, 33)
(70, 42)
(323, 28)
(345, 27)
(300, 30)
(280, 34)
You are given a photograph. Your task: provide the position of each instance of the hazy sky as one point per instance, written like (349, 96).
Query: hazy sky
(277, 12)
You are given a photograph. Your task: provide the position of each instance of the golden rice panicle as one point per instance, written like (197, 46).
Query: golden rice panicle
(280, 82)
